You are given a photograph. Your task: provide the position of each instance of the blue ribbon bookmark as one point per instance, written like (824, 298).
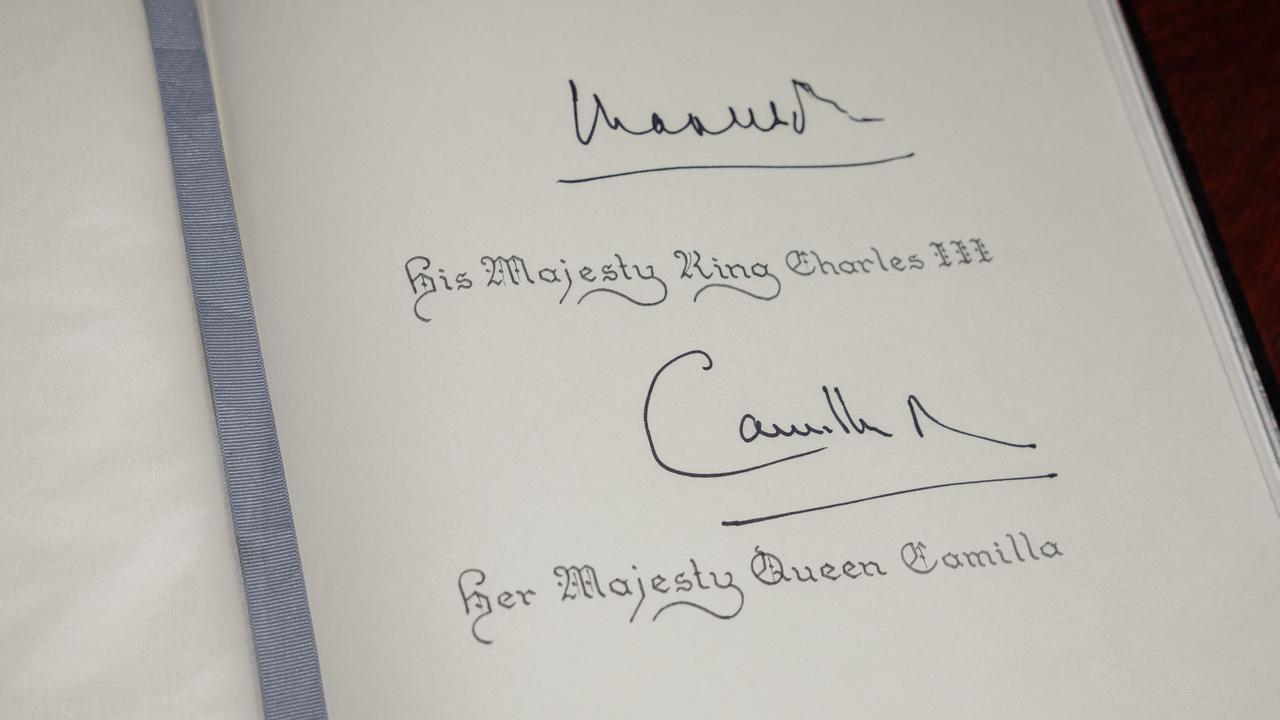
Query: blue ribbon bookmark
(279, 617)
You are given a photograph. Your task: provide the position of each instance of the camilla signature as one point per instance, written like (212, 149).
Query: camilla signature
(837, 419)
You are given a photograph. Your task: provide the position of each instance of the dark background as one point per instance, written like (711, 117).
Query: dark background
(1217, 65)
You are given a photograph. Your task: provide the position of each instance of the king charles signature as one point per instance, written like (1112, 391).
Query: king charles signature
(734, 119)
(741, 120)
(836, 419)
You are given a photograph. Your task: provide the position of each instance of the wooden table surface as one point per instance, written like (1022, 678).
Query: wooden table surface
(1219, 64)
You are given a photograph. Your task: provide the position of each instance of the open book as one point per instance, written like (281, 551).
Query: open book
(626, 360)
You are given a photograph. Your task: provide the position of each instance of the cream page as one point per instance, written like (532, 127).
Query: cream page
(743, 359)
(120, 592)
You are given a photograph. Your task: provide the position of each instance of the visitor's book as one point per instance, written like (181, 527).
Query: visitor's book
(622, 360)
